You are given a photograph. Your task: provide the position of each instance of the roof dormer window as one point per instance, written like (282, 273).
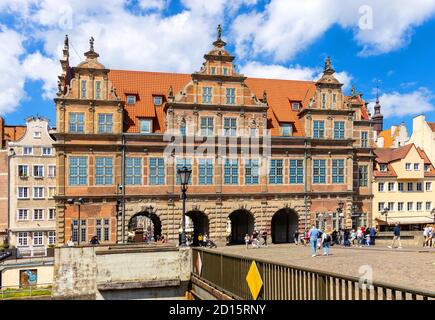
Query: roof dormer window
(295, 106)
(286, 130)
(383, 168)
(158, 100)
(131, 99)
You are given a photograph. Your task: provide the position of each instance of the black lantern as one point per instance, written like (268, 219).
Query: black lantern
(184, 176)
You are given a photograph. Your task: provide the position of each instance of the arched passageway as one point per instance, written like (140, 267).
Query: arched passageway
(146, 225)
(242, 223)
(200, 225)
(284, 224)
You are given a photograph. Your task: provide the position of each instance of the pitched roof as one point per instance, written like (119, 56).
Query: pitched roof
(13, 133)
(387, 155)
(431, 126)
(280, 95)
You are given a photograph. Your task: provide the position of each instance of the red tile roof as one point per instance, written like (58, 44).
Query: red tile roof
(432, 126)
(280, 95)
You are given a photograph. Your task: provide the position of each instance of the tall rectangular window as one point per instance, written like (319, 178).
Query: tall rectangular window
(38, 214)
(103, 229)
(83, 231)
(207, 94)
(276, 171)
(319, 171)
(410, 206)
(78, 171)
(133, 171)
(183, 129)
(51, 192)
(38, 238)
(230, 95)
(230, 127)
(419, 186)
(104, 171)
(105, 123)
(381, 186)
(157, 171)
(207, 128)
(323, 100)
(296, 171)
(391, 186)
(428, 186)
(51, 214)
(231, 171)
(23, 170)
(337, 171)
(400, 206)
(410, 186)
(76, 121)
(319, 129)
(339, 130)
(205, 170)
(51, 171)
(334, 101)
(364, 139)
(98, 90)
(23, 193)
(23, 214)
(83, 89)
(363, 176)
(400, 186)
(183, 163)
(23, 238)
(38, 192)
(251, 171)
(428, 206)
(51, 237)
(75, 230)
(38, 171)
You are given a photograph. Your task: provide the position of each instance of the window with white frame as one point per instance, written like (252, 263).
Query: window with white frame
(51, 192)
(37, 135)
(419, 206)
(23, 238)
(286, 129)
(230, 127)
(51, 237)
(158, 100)
(38, 171)
(207, 94)
(51, 171)
(105, 123)
(364, 139)
(407, 166)
(23, 170)
(231, 171)
(400, 206)
(319, 129)
(103, 229)
(410, 186)
(381, 186)
(104, 171)
(251, 171)
(133, 171)
(390, 206)
(419, 186)
(323, 100)
(400, 186)
(131, 99)
(225, 71)
(276, 171)
(383, 167)
(207, 126)
(339, 130)
(78, 171)
(38, 192)
(23, 214)
(391, 186)
(319, 171)
(381, 206)
(296, 171)
(295, 106)
(51, 214)
(337, 171)
(83, 91)
(23, 192)
(38, 238)
(38, 214)
(146, 126)
(230, 95)
(410, 206)
(416, 166)
(334, 100)
(156, 171)
(205, 171)
(76, 122)
(428, 186)
(363, 176)
(98, 90)
(428, 206)
(27, 151)
(47, 151)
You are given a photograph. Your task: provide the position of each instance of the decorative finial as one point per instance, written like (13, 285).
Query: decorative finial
(66, 42)
(171, 93)
(264, 96)
(219, 30)
(91, 44)
(328, 63)
(59, 88)
(353, 91)
(377, 94)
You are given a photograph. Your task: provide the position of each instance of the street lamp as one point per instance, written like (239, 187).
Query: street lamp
(78, 202)
(385, 212)
(184, 176)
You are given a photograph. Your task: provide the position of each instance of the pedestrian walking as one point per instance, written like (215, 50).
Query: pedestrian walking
(247, 238)
(265, 238)
(359, 236)
(296, 237)
(429, 238)
(367, 237)
(326, 242)
(425, 235)
(372, 234)
(314, 234)
(396, 236)
(352, 237)
(346, 235)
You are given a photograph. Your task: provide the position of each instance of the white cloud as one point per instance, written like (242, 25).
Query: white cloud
(12, 79)
(287, 27)
(153, 4)
(274, 71)
(397, 104)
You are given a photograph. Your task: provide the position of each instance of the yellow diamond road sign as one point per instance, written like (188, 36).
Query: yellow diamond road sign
(255, 283)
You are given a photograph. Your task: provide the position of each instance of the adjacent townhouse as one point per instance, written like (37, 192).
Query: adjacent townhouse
(32, 187)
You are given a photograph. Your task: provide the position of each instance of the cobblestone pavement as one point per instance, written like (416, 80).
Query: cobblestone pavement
(411, 268)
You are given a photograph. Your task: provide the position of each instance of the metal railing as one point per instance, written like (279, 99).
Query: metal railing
(17, 292)
(227, 273)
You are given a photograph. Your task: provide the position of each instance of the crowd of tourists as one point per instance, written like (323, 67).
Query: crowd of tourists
(257, 239)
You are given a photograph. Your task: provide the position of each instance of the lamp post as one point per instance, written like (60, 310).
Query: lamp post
(341, 213)
(78, 202)
(385, 212)
(184, 175)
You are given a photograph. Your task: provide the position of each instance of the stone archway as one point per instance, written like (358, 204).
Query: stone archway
(284, 224)
(242, 223)
(200, 224)
(148, 222)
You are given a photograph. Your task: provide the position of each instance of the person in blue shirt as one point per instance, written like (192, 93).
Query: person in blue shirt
(396, 236)
(372, 235)
(314, 235)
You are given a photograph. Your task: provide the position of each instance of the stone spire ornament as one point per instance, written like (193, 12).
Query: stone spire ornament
(265, 97)
(219, 30)
(91, 54)
(171, 93)
(66, 42)
(91, 44)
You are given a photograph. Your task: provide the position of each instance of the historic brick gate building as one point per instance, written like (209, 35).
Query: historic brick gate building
(266, 154)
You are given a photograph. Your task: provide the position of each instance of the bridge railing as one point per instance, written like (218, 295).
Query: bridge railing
(227, 273)
(19, 292)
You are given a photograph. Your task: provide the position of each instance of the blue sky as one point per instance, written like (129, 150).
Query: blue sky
(385, 43)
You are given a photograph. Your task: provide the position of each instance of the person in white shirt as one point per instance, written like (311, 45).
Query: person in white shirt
(425, 235)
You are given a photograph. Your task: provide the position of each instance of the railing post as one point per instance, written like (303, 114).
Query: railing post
(322, 287)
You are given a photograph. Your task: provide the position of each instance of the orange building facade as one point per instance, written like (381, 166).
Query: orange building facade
(266, 155)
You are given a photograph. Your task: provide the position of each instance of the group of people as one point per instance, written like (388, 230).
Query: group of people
(203, 241)
(428, 236)
(257, 239)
